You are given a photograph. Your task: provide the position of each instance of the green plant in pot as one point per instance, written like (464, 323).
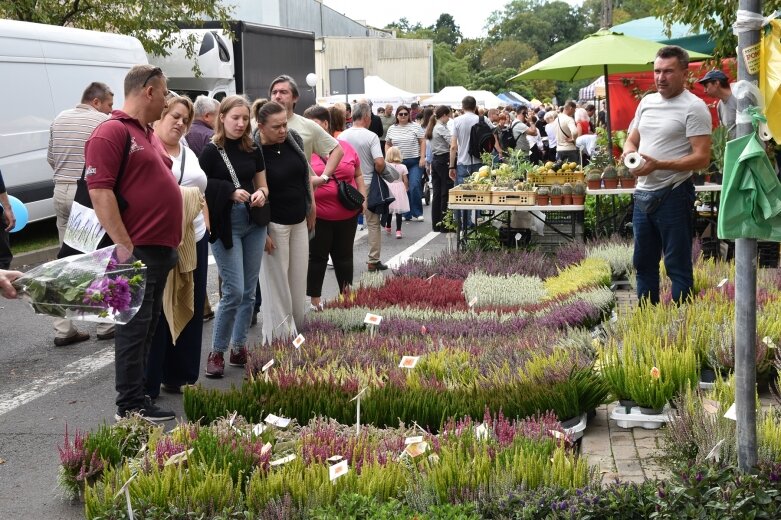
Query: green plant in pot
(594, 179)
(543, 196)
(613, 369)
(566, 192)
(578, 193)
(610, 177)
(556, 195)
(626, 177)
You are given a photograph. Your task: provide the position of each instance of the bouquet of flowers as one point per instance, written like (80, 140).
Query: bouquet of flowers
(105, 286)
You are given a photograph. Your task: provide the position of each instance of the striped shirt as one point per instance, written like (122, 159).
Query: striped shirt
(407, 139)
(67, 135)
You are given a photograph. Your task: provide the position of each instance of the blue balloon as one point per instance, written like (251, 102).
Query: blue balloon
(20, 212)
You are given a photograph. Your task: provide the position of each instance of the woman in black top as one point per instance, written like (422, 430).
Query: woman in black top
(284, 269)
(237, 241)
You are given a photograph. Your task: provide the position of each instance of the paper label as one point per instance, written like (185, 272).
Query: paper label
(417, 449)
(518, 236)
(283, 460)
(83, 231)
(337, 470)
(334, 458)
(409, 361)
(732, 413)
(556, 434)
(267, 365)
(266, 448)
(481, 432)
(298, 341)
(372, 319)
(751, 58)
(721, 283)
(279, 422)
(413, 440)
(258, 429)
(472, 302)
(767, 340)
(714, 452)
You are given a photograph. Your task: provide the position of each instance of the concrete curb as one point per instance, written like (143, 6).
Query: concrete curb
(34, 257)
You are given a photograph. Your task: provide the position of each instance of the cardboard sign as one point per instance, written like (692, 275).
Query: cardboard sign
(298, 341)
(283, 460)
(279, 422)
(409, 362)
(372, 319)
(337, 470)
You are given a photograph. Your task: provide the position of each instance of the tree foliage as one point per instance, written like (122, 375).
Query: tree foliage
(446, 31)
(130, 17)
(448, 69)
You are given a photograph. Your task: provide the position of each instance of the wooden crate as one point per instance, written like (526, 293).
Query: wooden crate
(513, 198)
(558, 178)
(457, 196)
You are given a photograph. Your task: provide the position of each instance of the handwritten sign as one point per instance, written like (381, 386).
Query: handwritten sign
(337, 470)
(409, 362)
(83, 231)
(751, 58)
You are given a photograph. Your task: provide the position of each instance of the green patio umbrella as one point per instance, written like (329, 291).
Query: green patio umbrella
(599, 54)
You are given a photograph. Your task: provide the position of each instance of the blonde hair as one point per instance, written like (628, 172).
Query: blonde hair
(228, 104)
(393, 154)
(182, 100)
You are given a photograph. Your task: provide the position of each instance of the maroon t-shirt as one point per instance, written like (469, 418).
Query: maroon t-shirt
(153, 216)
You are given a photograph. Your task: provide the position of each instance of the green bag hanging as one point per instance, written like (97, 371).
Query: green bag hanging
(751, 193)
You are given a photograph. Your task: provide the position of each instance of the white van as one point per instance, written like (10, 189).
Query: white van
(44, 70)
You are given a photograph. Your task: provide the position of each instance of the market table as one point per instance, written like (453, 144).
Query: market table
(500, 210)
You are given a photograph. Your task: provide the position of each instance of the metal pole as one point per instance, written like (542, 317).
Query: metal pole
(746, 291)
(346, 87)
(607, 118)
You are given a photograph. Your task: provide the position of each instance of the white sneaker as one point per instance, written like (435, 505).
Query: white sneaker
(418, 219)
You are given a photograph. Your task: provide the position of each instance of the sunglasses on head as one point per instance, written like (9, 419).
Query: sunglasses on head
(157, 71)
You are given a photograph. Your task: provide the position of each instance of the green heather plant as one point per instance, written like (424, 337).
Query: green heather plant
(503, 290)
(588, 273)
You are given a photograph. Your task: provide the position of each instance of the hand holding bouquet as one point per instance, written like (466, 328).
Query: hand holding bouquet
(105, 286)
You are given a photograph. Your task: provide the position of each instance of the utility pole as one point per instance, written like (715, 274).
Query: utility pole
(607, 14)
(746, 284)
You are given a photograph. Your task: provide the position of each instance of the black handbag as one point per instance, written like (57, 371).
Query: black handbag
(261, 216)
(82, 197)
(349, 196)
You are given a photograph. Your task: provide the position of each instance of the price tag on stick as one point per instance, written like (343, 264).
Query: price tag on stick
(409, 362)
(337, 470)
(357, 400)
(298, 341)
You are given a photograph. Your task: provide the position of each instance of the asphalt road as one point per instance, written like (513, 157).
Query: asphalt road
(43, 388)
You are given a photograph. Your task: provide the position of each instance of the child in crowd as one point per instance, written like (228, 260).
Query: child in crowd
(398, 189)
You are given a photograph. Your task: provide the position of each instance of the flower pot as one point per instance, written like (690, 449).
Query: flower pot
(542, 200)
(628, 183)
(578, 200)
(707, 178)
(707, 375)
(555, 200)
(650, 411)
(569, 423)
(628, 404)
(594, 185)
(611, 184)
(566, 199)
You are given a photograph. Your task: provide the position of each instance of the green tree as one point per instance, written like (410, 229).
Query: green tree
(471, 51)
(714, 17)
(448, 69)
(539, 88)
(446, 31)
(507, 54)
(155, 24)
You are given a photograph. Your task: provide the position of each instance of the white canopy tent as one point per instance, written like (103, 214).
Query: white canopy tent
(594, 90)
(452, 96)
(378, 91)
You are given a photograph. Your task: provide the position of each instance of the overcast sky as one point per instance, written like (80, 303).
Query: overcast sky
(469, 16)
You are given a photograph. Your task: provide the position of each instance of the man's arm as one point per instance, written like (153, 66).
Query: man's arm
(104, 202)
(333, 160)
(453, 157)
(7, 210)
(698, 158)
(379, 164)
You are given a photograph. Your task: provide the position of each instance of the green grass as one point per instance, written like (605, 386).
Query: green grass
(35, 236)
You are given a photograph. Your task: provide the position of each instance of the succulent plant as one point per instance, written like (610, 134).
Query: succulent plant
(543, 191)
(566, 188)
(610, 173)
(555, 190)
(579, 188)
(594, 175)
(624, 173)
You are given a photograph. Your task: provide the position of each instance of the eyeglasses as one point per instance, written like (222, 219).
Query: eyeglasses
(402, 114)
(157, 71)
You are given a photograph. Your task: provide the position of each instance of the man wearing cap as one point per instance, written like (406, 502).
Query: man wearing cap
(716, 85)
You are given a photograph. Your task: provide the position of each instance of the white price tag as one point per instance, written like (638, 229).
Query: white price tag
(472, 302)
(413, 440)
(417, 449)
(409, 361)
(732, 413)
(258, 429)
(279, 422)
(267, 365)
(767, 340)
(283, 460)
(298, 341)
(372, 319)
(337, 470)
(722, 282)
(334, 458)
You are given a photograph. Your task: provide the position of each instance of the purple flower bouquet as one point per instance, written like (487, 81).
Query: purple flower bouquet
(104, 286)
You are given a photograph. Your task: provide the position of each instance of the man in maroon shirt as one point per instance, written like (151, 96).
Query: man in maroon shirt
(149, 225)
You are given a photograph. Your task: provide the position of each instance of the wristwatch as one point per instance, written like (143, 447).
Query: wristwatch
(326, 177)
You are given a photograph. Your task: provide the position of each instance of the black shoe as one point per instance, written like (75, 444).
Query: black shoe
(254, 319)
(377, 266)
(150, 412)
(171, 389)
(208, 316)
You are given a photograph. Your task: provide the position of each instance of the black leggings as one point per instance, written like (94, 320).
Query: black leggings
(386, 218)
(334, 238)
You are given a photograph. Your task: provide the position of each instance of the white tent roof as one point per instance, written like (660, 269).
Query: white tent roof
(594, 90)
(379, 92)
(452, 96)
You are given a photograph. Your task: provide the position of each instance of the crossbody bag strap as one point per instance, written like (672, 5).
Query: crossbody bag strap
(569, 136)
(232, 172)
(184, 158)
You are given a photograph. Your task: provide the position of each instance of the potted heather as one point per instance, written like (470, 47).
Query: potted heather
(555, 195)
(578, 193)
(626, 177)
(543, 196)
(566, 193)
(610, 176)
(594, 179)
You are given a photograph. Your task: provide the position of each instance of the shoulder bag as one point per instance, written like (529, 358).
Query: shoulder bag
(261, 216)
(349, 196)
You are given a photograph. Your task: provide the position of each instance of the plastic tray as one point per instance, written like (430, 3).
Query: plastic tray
(576, 432)
(513, 198)
(456, 196)
(636, 419)
(557, 178)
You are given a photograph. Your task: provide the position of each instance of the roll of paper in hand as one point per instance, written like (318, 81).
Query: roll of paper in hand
(634, 160)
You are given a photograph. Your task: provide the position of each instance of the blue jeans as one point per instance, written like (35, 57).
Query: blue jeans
(668, 230)
(414, 193)
(239, 267)
(463, 171)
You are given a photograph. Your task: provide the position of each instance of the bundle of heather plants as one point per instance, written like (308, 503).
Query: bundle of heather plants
(618, 254)
(591, 272)
(460, 265)
(401, 291)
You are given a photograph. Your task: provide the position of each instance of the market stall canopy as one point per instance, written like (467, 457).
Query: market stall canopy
(593, 91)
(450, 96)
(683, 35)
(513, 98)
(379, 92)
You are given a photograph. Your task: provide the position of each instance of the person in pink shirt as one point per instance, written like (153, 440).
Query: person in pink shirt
(335, 225)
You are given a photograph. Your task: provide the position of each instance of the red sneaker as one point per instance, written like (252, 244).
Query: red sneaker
(238, 358)
(215, 365)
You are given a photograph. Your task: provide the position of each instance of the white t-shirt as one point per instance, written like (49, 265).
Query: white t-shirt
(406, 138)
(192, 175)
(566, 133)
(665, 126)
(462, 126)
(367, 146)
(315, 138)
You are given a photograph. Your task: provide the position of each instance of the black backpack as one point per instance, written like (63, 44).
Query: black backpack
(507, 138)
(481, 138)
